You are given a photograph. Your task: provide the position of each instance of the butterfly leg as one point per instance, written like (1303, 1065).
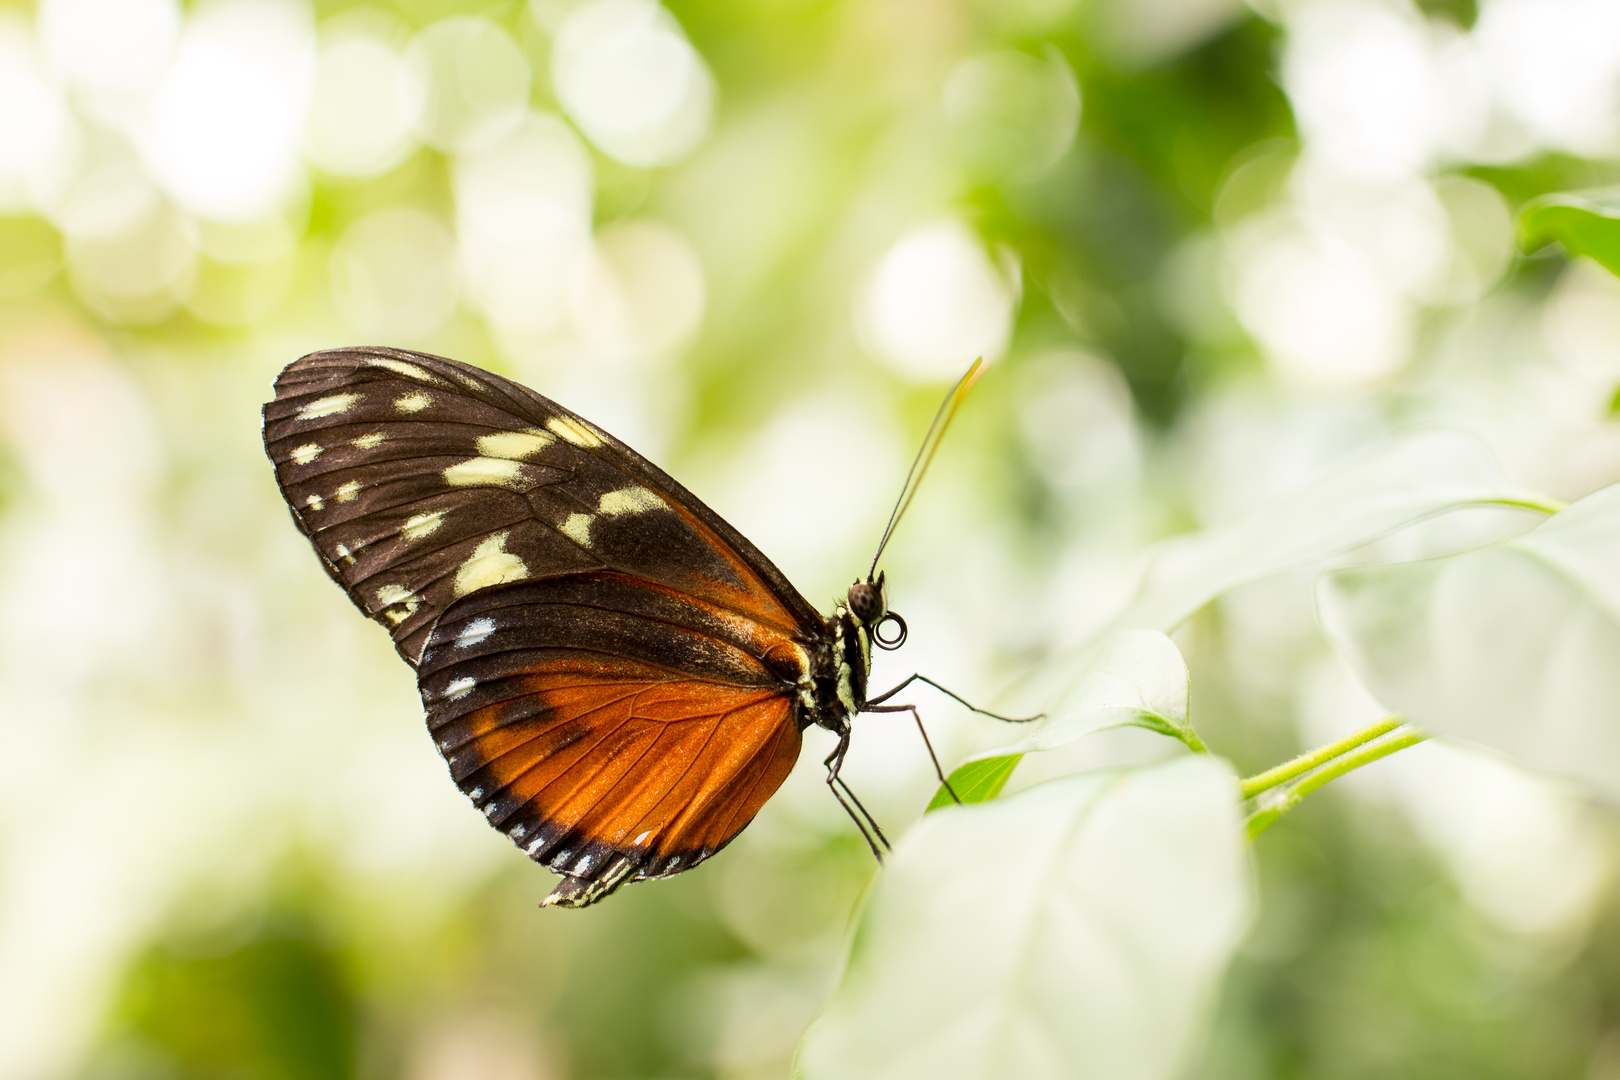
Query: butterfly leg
(915, 715)
(835, 783)
(908, 680)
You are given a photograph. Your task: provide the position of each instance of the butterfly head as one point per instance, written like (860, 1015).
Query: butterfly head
(869, 603)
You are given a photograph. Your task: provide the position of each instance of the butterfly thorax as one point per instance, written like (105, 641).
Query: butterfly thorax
(836, 688)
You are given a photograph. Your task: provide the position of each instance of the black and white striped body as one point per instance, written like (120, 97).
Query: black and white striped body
(834, 690)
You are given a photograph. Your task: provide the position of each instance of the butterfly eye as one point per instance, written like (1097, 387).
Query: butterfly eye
(866, 602)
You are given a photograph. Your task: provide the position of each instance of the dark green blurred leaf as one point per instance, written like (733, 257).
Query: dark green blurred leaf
(1464, 13)
(277, 1007)
(977, 781)
(1587, 224)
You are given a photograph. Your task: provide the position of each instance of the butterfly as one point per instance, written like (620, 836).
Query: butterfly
(614, 675)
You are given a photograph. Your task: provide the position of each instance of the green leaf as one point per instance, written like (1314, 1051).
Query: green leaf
(1080, 928)
(1134, 678)
(1407, 481)
(1586, 223)
(1515, 646)
(977, 781)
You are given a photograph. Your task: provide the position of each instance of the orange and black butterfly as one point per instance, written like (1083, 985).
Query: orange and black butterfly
(616, 677)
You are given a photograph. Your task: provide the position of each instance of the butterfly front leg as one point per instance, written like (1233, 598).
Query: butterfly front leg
(864, 821)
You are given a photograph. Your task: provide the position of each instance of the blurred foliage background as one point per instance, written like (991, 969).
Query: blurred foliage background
(1211, 249)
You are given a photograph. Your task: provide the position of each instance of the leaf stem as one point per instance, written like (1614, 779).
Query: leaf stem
(1285, 772)
(1540, 504)
(1280, 803)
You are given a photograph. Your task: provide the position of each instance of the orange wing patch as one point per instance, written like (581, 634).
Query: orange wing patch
(619, 770)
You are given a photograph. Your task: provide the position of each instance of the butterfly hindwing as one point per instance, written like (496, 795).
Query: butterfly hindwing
(615, 730)
(421, 480)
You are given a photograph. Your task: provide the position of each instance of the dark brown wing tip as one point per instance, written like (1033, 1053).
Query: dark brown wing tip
(578, 892)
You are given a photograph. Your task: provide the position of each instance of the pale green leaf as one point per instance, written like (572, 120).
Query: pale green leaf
(1411, 479)
(1515, 646)
(1134, 677)
(1077, 929)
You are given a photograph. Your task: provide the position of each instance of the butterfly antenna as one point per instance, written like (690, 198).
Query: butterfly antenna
(925, 453)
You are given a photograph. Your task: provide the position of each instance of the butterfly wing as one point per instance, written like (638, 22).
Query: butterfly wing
(615, 730)
(608, 667)
(421, 480)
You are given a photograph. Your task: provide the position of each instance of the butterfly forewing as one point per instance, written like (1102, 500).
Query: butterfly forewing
(421, 480)
(610, 669)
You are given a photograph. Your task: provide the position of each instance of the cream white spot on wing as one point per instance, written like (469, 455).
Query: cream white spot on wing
(303, 455)
(630, 500)
(420, 525)
(489, 564)
(345, 554)
(398, 603)
(642, 837)
(578, 529)
(348, 491)
(368, 442)
(570, 430)
(327, 406)
(314, 502)
(584, 865)
(516, 832)
(474, 632)
(412, 403)
(400, 367)
(536, 844)
(483, 472)
(460, 688)
(515, 445)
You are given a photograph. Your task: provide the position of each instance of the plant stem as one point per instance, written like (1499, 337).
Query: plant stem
(1281, 803)
(1285, 772)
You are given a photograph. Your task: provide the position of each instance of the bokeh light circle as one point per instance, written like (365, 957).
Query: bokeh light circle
(628, 77)
(39, 138)
(137, 273)
(470, 81)
(394, 275)
(362, 111)
(1365, 86)
(109, 50)
(1322, 310)
(1012, 114)
(523, 212)
(1555, 67)
(935, 302)
(227, 122)
(643, 293)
